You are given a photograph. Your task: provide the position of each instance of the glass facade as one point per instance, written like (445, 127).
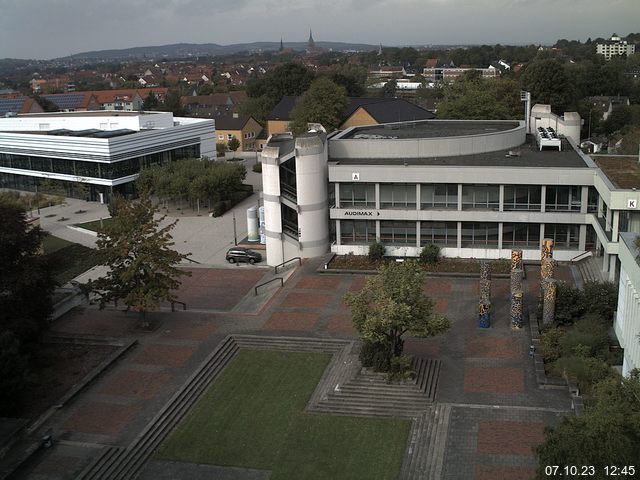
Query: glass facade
(563, 199)
(522, 197)
(288, 183)
(522, 235)
(354, 232)
(398, 233)
(443, 234)
(563, 235)
(439, 196)
(480, 197)
(479, 235)
(398, 195)
(106, 170)
(357, 195)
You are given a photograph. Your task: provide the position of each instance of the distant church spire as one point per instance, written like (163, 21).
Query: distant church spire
(380, 50)
(281, 45)
(311, 44)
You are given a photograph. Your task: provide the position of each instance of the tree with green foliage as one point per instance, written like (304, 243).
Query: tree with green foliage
(549, 83)
(376, 251)
(151, 102)
(233, 144)
(393, 303)
(258, 108)
(14, 372)
(324, 103)
(606, 433)
(473, 97)
(353, 78)
(172, 103)
(142, 266)
(288, 79)
(26, 282)
(46, 104)
(389, 89)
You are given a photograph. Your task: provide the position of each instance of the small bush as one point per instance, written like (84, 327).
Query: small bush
(600, 298)
(550, 344)
(376, 251)
(257, 167)
(584, 371)
(430, 254)
(400, 369)
(569, 304)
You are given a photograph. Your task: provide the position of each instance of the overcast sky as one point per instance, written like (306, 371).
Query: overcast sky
(46, 29)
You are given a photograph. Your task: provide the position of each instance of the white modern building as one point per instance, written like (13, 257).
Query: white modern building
(476, 188)
(103, 149)
(627, 321)
(614, 47)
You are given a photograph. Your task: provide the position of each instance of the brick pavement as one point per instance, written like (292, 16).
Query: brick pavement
(486, 375)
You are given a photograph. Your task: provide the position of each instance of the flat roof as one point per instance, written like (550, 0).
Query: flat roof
(430, 129)
(526, 155)
(90, 113)
(623, 171)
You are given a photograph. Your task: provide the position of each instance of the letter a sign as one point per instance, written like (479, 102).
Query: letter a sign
(632, 203)
(355, 177)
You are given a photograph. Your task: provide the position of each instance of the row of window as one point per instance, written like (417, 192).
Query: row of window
(485, 197)
(473, 234)
(109, 171)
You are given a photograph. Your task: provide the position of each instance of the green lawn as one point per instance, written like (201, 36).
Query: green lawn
(253, 417)
(94, 225)
(68, 259)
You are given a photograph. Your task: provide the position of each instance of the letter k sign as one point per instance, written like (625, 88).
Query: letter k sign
(632, 203)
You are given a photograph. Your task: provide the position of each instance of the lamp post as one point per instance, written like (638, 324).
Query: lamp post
(235, 236)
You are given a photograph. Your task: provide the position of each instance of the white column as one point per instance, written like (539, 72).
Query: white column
(615, 224)
(543, 198)
(582, 238)
(584, 200)
(418, 233)
(338, 232)
(459, 199)
(378, 204)
(500, 228)
(459, 245)
(612, 267)
(501, 199)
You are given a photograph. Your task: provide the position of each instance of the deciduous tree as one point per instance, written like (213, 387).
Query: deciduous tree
(142, 265)
(392, 304)
(324, 103)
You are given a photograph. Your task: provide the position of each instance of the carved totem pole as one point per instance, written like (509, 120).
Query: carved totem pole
(484, 306)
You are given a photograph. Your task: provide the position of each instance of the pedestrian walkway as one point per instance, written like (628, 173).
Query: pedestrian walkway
(481, 421)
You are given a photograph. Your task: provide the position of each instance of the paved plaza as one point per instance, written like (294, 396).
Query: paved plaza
(487, 379)
(498, 413)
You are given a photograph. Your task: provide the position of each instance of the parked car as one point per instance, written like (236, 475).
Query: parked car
(241, 254)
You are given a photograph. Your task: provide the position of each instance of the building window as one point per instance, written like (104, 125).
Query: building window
(443, 234)
(485, 197)
(563, 235)
(520, 235)
(357, 232)
(229, 136)
(522, 197)
(439, 196)
(398, 233)
(220, 137)
(357, 195)
(563, 199)
(479, 235)
(397, 195)
(592, 200)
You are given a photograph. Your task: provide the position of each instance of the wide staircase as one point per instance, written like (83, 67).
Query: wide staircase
(424, 458)
(370, 394)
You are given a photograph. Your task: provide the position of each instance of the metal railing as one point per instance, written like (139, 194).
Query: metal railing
(173, 305)
(266, 283)
(579, 257)
(275, 269)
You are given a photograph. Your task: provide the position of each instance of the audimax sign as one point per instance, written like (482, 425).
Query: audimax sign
(361, 213)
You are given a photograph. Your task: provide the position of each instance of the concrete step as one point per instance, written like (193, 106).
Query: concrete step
(95, 469)
(354, 391)
(375, 402)
(127, 463)
(365, 412)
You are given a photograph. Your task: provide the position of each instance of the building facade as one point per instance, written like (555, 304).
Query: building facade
(477, 189)
(615, 47)
(627, 321)
(103, 150)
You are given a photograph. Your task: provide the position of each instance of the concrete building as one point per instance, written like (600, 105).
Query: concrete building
(614, 47)
(475, 188)
(627, 321)
(102, 149)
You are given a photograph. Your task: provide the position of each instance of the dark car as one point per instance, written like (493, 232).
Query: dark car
(240, 254)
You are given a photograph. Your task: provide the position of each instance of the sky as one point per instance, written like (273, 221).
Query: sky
(44, 29)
